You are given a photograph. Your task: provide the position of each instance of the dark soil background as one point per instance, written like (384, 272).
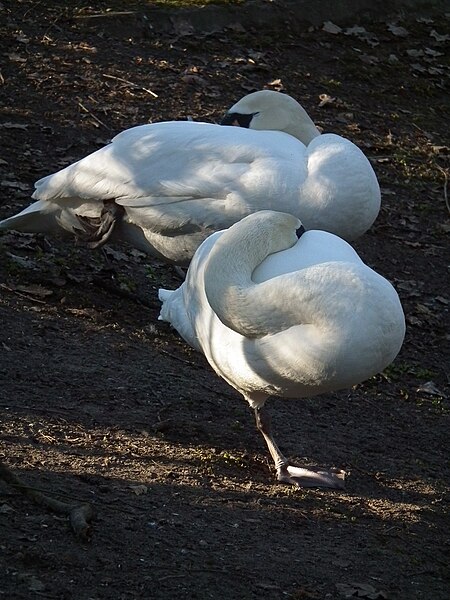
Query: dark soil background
(101, 403)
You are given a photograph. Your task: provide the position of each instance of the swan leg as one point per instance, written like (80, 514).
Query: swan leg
(286, 473)
(97, 231)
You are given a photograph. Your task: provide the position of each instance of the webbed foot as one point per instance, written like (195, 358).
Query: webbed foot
(312, 477)
(96, 231)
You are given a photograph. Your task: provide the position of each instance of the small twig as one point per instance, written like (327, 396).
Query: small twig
(35, 489)
(183, 360)
(31, 298)
(107, 14)
(52, 24)
(444, 172)
(135, 85)
(92, 115)
(32, 8)
(79, 515)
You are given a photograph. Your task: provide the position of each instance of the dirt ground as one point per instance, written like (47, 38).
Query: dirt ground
(101, 403)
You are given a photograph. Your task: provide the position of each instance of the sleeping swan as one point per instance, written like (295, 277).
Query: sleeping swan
(277, 315)
(165, 187)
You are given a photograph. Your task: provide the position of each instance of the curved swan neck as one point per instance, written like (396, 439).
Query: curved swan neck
(228, 284)
(298, 123)
(305, 131)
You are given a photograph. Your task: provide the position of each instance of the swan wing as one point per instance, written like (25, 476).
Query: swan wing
(182, 176)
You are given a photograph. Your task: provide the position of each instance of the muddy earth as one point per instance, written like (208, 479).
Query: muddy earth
(102, 404)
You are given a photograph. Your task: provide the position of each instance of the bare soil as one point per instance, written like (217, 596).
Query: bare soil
(101, 403)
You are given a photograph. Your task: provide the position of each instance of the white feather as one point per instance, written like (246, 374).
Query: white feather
(295, 322)
(180, 181)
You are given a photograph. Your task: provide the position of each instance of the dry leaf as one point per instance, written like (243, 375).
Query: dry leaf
(423, 309)
(369, 60)
(20, 37)
(138, 489)
(435, 71)
(419, 68)
(415, 53)
(9, 125)
(14, 57)
(330, 27)
(430, 388)
(414, 321)
(433, 53)
(9, 183)
(397, 30)
(326, 99)
(438, 37)
(355, 30)
(116, 254)
(34, 290)
(362, 34)
(22, 261)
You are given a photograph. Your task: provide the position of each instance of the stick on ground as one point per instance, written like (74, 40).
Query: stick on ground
(79, 515)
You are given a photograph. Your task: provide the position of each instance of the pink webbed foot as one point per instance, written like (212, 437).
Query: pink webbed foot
(312, 477)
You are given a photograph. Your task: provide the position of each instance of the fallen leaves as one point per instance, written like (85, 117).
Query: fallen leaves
(35, 289)
(397, 30)
(431, 389)
(425, 55)
(14, 184)
(9, 125)
(330, 27)
(438, 37)
(15, 57)
(138, 489)
(360, 590)
(325, 100)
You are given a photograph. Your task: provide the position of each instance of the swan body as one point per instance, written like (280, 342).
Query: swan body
(165, 187)
(277, 315)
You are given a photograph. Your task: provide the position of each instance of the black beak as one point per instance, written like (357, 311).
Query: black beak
(300, 231)
(237, 119)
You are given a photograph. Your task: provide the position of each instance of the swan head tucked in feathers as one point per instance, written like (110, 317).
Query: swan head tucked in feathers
(269, 110)
(245, 248)
(277, 315)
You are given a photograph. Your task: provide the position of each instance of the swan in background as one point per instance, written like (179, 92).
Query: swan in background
(277, 315)
(165, 187)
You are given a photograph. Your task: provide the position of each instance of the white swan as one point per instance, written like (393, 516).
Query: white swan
(277, 315)
(165, 187)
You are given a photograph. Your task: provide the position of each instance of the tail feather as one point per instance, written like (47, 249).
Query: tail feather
(39, 217)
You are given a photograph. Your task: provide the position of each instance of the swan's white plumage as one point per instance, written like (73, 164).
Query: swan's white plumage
(310, 319)
(180, 181)
(277, 316)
